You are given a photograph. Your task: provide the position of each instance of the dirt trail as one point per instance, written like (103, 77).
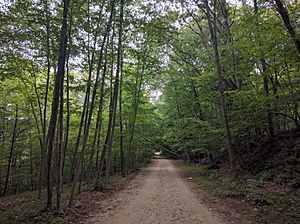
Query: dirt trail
(158, 195)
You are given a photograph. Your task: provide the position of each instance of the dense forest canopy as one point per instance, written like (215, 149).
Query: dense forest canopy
(90, 89)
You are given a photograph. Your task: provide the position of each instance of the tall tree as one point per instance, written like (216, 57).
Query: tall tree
(213, 36)
(288, 25)
(14, 135)
(78, 172)
(58, 88)
(116, 88)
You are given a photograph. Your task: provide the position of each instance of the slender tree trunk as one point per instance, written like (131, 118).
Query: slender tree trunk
(97, 134)
(42, 162)
(86, 131)
(3, 143)
(113, 125)
(60, 152)
(31, 169)
(44, 119)
(82, 122)
(266, 88)
(66, 137)
(86, 98)
(31, 157)
(122, 158)
(84, 113)
(74, 158)
(11, 151)
(120, 61)
(15, 180)
(38, 100)
(137, 94)
(55, 102)
(109, 125)
(36, 123)
(116, 89)
(235, 82)
(288, 25)
(213, 36)
(99, 162)
(42, 165)
(89, 116)
(185, 154)
(107, 141)
(265, 80)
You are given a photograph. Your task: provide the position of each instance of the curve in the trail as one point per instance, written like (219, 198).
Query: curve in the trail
(158, 195)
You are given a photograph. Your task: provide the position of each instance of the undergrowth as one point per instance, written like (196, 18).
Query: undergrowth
(273, 204)
(26, 208)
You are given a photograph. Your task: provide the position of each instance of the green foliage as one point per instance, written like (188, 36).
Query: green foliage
(256, 93)
(268, 202)
(170, 92)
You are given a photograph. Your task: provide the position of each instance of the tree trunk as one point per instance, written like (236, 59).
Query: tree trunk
(288, 25)
(116, 89)
(213, 36)
(97, 134)
(86, 131)
(66, 137)
(266, 88)
(122, 158)
(11, 151)
(60, 150)
(55, 102)
(135, 106)
(84, 113)
(31, 158)
(42, 165)
(120, 62)
(265, 82)
(185, 154)
(99, 162)
(44, 117)
(109, 126)
(3, 143)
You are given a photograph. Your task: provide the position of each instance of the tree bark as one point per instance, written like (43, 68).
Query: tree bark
(122, 158)
(288, 25)
(13, 140)
(109, 125)
(97, 134)
(86, 131)
(84, 113)
(60, 148)
(116, 89)
(99, 162)
(66, 137)
(214, 41)
(266, 89)
(3, 142)
(120, 62)
(44, 117)
(265, 80)
(55, 101)
(135, 105)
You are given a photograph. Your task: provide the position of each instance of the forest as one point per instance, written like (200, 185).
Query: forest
(90, 89)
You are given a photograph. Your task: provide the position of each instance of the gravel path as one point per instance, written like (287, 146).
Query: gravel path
(158, 195)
